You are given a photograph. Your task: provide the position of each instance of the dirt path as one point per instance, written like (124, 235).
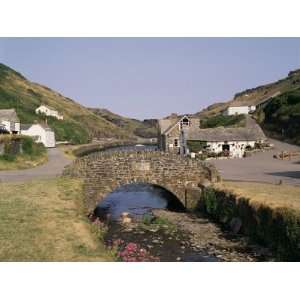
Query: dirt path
(262, 167)
(54, 167)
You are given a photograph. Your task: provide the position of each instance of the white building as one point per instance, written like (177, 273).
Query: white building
(40, 134)
(48, 111)
(239, 110)
(9, 121)
(232, 141)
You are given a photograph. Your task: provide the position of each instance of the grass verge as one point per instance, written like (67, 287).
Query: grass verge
(45, 221)
(269, 214)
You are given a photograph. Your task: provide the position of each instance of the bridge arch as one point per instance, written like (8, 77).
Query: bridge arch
(105, 172)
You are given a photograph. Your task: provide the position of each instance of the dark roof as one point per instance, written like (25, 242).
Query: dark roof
(25, 126)
(8, 115)
(221, 134)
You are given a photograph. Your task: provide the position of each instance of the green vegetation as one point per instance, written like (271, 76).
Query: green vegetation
(47, 224)
(21, 152)
(282, 117)
(196, 146)
(79, 126)
(255, 95)
(225, 121)
(144, 129)
(266, 217)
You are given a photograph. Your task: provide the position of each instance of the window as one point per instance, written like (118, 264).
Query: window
(176, 143)
(184, 122)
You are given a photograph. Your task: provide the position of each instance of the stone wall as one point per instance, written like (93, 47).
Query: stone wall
(104, 172)
(10, 144)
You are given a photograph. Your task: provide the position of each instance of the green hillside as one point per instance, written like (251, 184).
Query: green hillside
(253, 96)
(145, 129)
(281, 117)
(80, 125)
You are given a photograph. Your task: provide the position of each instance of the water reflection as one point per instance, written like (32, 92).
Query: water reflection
(137, 200)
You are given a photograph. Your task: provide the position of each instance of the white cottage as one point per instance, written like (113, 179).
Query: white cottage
(9, 121)
(234, 141)
(49, 111)
(40, 133)
(239, 110)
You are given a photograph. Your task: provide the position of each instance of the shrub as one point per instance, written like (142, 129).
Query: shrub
(225, 121)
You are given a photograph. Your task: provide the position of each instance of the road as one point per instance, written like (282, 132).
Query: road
(262, 167)
(54, 167)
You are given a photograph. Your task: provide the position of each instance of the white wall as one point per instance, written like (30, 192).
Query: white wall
(237, 148)
(42, 136)
(49, 112)
(11, 126)
(239, 110)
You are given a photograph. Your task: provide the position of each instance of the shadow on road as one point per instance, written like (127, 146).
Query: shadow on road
(291, 174)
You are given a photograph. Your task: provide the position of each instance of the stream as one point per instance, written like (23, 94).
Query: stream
(145, 222)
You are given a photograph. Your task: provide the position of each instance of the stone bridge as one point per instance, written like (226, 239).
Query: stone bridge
(104, 172)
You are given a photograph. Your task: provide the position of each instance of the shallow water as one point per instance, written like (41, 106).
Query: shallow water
(136, 199)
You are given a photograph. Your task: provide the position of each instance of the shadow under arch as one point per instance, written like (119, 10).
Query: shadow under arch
(144, 196)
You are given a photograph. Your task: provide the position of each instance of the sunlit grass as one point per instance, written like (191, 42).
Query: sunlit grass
(45, 221)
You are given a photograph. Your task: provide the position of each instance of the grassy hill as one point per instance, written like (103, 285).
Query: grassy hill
(255, 95)
(80, 125)
(145, 129)
(281, 117)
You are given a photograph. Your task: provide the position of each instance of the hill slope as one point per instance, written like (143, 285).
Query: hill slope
(80, 125)
(280, 118)
(145, 129)
(255, 95)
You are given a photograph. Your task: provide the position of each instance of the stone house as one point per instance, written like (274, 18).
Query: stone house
(49, 111)
(169, 130)
(9, 121)
(231, 141)
(40, 133)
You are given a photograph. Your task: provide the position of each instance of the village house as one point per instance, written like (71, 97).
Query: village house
(232, 142)
(239, 110)
(9, 121)
(169, 130)
(40, 134)
(49, 111)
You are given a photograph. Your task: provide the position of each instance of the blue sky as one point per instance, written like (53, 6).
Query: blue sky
(151, 77)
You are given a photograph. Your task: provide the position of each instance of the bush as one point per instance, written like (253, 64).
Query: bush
(282, 116)
(8, 157)
(225, 121)
(31, 148)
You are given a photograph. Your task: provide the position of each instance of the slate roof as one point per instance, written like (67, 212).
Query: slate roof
(9, 115)
(27, 126)
(166, 124)
(221, 134)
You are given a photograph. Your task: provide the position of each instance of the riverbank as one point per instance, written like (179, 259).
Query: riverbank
(45, 221)
(172, 237)
(267, 214)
